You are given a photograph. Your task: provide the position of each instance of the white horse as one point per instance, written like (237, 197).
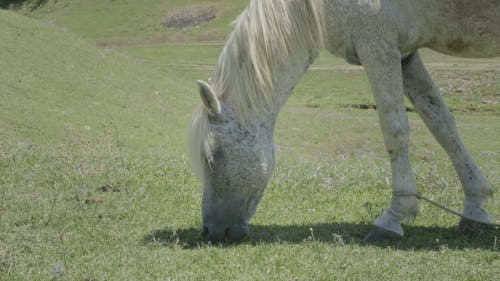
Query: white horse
(271, 47)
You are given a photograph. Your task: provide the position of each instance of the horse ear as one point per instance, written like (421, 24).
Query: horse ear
(209, 99)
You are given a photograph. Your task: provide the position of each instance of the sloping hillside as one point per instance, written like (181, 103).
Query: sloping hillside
(111, 22)
(84, 132)
(95, 183)
(53, 83)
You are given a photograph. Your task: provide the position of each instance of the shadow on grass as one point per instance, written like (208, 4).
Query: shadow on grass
(341, 234)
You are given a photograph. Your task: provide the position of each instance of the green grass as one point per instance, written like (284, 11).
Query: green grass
(122, 21)
(95, 182)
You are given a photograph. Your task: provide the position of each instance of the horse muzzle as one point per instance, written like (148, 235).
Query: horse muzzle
(225, 233)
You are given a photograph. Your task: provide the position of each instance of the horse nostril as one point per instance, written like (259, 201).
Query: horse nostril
(205, 232)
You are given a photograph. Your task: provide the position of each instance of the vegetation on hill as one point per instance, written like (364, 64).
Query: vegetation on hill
(22, 5)
(120, 22)
(55, 80)
(95, 183)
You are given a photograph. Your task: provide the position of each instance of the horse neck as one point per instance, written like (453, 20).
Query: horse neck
(285, 78)
(271, 47)
(288, 76)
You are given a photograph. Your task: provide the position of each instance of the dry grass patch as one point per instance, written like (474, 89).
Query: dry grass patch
(191, 16)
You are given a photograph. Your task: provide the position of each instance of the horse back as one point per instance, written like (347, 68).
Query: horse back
(455, 27)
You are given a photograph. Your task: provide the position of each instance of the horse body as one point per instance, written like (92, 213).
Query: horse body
(461, 28)
(454, 27)
(272, 46)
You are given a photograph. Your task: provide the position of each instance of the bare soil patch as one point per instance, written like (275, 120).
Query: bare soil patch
(191, 16)
(467, 81)
(108, 188)
(367, 106)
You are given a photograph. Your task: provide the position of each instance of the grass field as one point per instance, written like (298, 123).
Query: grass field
(95, 182)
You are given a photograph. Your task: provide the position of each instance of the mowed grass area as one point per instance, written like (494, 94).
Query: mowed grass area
(96, 183)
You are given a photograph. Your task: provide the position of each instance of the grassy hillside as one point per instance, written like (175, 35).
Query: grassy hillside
(58, 82)
(95, 183)
(73, 119)
(126, 22)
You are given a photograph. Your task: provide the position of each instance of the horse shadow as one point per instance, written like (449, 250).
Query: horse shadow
(430, 238)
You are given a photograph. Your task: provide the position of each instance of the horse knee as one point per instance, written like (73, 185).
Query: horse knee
(396, 139)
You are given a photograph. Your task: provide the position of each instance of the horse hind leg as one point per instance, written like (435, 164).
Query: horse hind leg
(425, 96)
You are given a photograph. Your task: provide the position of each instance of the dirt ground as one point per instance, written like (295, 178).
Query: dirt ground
(190, 16)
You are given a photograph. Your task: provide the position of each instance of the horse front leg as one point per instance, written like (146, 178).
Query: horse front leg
(425, 96)
(382, 64)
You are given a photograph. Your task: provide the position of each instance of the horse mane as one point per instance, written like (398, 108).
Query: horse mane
(265, 35)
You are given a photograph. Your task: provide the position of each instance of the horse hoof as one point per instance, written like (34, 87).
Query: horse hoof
(467, 226)
(378, 234)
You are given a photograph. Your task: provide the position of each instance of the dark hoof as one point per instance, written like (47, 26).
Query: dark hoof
(467, 226)
(378, 234)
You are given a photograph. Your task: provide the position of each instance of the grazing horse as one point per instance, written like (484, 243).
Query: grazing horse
(270, 48)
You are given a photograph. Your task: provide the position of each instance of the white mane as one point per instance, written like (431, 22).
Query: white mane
(264, 37)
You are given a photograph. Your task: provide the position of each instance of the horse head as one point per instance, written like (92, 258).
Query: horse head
(234, 162)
